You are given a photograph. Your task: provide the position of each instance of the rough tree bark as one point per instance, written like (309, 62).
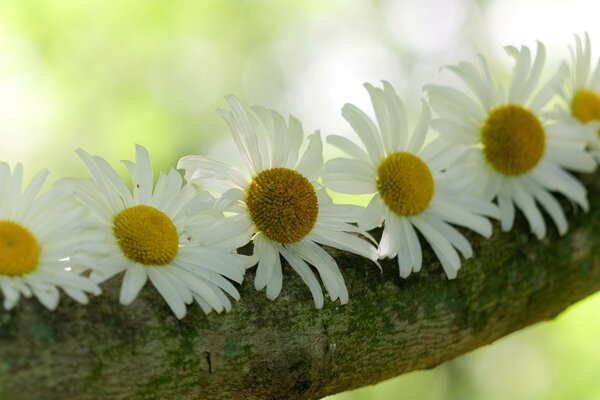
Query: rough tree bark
(285, 349)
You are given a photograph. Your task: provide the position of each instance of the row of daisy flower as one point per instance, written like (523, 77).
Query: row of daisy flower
(497, 149)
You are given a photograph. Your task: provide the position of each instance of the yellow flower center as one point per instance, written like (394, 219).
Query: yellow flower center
(146, 235)
(282, 204)
(586, 107)
(405, 183)
(19, 250)
(513, 139)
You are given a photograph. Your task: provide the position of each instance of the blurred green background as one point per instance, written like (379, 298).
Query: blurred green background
(104, 75)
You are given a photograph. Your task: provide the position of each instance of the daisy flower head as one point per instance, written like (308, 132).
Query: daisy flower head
(579, 110)
(145, 232)
(516, 155)
(412, 193)
(38, 236)
(278, 202)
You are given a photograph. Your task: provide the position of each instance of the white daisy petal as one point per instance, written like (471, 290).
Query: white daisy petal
(349, 148)
(77, 295)
(244, 134)
(58, 276)
(440, 245)
(474, 80)
(405, 264)
(275, 281)
(9, 291)
(413, 245)
(33, 189)
(21, 287)
(229, 265)
(554, 178)
(229, 198)
(167, 290)
(594, 81)
(200, 288)
(391, 116)
(520, 73)
(224, 302)
(420, 132)
(349, 176)
(450, 268)
(461, 102)
(325, 265)
(225, 234)
(101, 180)
(366, 130)
(203, 304)
(524, 200)
(455, 238)
(548, 91)
(14, 191)
(507, 212)
(268, 256)
(212, 174)
(373, 215)
(535, 72)
(275, 126)
(441, 155)
(459, 216)
(308, 277)
(134, 280)
(142, 176)
(552, 207)
(180, 280)
(47, 295)
(295, 135)
(167, 187)
(311, 163)
(340, 213)
(456, 132)
(389, 245)
(571, 158)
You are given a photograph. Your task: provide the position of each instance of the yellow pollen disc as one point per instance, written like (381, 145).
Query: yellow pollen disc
(19, 250)
(586, 107)
(146, 235)
(282, 204)
(513, 140)
(405, 183)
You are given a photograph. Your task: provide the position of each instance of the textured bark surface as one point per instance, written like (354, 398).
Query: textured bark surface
(285, 349)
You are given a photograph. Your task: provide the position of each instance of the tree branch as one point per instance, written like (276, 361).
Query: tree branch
(285, 349)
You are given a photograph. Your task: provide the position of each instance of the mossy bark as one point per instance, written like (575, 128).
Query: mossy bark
(285, 349)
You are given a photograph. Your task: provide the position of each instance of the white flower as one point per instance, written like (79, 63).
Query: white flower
(278, 202)
(147, 234)
(410, 185)
(38, 236)
(516, 156)
(579, 110)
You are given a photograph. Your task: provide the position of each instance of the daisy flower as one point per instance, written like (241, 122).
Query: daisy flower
(579, 110)
(38, 236)
(146, 233)
(516, 156)
(411, 190)
(278, 203)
